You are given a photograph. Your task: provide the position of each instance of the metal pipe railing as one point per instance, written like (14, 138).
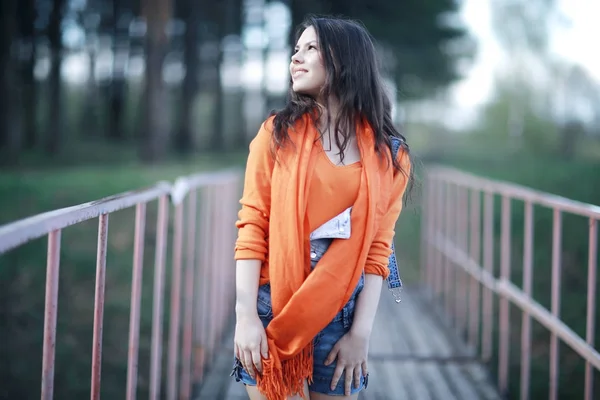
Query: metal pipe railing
(449, 256)
(208, 274)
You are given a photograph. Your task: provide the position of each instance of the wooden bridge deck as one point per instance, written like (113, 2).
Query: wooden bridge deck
(413, 355)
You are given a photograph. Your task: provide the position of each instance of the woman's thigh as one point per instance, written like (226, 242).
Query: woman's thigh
(323, 344)
(254, 394)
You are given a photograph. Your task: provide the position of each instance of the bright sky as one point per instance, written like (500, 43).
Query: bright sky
(573, 38)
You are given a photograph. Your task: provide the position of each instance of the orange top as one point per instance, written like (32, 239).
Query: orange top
(335, 185)
(332, 190)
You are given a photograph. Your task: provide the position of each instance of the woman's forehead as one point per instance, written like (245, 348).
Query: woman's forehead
(309, 35)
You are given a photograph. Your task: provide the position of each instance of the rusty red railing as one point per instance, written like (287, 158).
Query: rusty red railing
(465, 282)
(208, 276)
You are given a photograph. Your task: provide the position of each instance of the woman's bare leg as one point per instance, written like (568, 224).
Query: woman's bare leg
(254, 394)
(321, 396)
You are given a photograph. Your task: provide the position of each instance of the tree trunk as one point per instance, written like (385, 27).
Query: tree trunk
(54, 120)
(155, 127)
(235, 101)
(9, 109)
(28, 16)
(118, 81)
(185, 138)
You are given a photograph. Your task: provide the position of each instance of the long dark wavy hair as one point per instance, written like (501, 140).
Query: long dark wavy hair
(353, 78)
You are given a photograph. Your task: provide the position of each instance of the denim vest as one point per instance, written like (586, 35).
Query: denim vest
(339, 227)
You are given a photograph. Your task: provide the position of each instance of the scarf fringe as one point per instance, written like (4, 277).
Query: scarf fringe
(282, 379)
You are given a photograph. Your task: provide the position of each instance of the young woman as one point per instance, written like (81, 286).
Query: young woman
(321, 197)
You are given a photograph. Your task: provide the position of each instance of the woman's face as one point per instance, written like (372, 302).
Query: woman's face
(307, 69)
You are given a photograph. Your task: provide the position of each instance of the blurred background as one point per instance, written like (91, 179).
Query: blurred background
(105, 96)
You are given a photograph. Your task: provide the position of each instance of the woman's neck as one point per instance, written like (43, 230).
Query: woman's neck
(329, 114)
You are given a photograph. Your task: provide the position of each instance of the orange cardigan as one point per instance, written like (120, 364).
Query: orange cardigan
(253, 222)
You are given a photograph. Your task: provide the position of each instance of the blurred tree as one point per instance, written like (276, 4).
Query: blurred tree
(54, 126)
(189, 10)
(9, 110)
(27, 14)
(423, 40)
(155, 124)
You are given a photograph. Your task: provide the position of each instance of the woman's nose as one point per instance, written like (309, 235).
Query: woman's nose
(296, 59)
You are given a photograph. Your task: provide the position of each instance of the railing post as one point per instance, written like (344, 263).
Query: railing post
(175, 304)
(186, 351)
(51, 311)
(504, 336)
(555, 300)
(99, 306)
(448, 267)
(462, 244)
(136, 298)
(162, 225)
(488, 263)
(527, 288)
(591, 302)
(475, 251)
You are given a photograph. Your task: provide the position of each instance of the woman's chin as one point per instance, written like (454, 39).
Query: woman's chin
(298, 89)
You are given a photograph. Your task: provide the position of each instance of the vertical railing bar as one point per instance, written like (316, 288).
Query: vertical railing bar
(488, 262)
(475, 309)
(175, 310)
(158, 296)
(527, 288)
(464, 247)
(136, 298)
(591, 303)
(425, 228)
(440, 231)
(232, 231)
(555, 299)
(220, 260)
(99, 306)
(431, 228)
(207, 248)
(50, 314)
(186, 351)
(458, 237)
(210, 278)
(454, 237)
(200, 307)
(448, 268)
(504, 328)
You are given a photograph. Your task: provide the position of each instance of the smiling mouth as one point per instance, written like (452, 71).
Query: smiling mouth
(299, 72)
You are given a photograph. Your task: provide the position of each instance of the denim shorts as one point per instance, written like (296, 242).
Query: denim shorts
(323, 342)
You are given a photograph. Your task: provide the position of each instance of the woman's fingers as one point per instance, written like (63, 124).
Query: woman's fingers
(348, 381)
(248, 365)
(357, 373)
(256, 360)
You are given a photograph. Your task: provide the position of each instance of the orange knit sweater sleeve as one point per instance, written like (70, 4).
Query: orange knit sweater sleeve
(253, 217)
(379, 253)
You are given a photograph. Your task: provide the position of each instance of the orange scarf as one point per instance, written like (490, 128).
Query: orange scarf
(304, 302)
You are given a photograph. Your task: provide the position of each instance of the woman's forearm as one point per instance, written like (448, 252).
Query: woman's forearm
(366, 305)
(247, 275)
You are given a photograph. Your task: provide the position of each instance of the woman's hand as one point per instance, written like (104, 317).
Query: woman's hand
(351, 353)
(250, 343)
